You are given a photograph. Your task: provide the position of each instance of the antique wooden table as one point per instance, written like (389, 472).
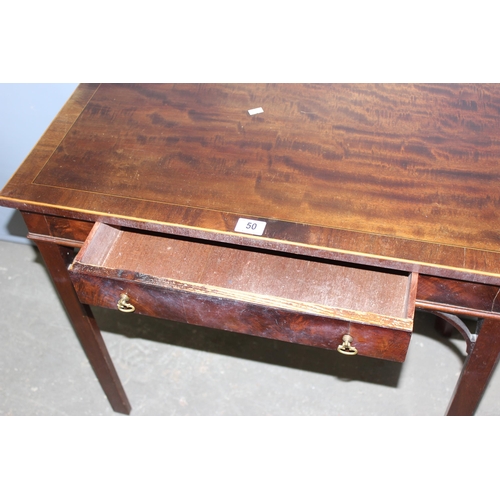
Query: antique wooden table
(315, 214)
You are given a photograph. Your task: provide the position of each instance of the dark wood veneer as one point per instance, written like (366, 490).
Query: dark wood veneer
(477, 298)
(400, 180)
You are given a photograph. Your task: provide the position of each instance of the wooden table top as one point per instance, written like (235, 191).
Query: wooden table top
(403, 176)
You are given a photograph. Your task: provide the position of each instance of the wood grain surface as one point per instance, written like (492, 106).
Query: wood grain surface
(408, 173)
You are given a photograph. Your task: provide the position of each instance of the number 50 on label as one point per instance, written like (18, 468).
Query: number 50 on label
(249, 226)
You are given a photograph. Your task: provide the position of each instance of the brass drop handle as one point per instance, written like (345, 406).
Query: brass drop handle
(346, 347)
(124, 305)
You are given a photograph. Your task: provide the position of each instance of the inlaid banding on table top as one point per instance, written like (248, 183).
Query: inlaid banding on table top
(347, 246)
(413, 161)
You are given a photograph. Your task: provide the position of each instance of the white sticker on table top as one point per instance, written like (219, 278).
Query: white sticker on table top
(250, 226)
(255, 111)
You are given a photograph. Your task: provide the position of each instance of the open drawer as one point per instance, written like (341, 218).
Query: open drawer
(280, 296)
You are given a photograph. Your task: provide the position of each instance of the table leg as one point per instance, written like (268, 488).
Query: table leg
(481, 360)
(57, 259)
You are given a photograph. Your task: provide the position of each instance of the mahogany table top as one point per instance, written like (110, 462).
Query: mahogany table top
(402, 176)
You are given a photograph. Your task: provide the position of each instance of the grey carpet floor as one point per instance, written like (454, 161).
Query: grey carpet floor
(173, 369)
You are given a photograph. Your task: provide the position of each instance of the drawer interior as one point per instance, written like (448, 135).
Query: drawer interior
(286, 282)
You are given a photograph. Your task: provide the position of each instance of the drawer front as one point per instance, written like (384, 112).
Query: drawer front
(272, 295)
(237, 316)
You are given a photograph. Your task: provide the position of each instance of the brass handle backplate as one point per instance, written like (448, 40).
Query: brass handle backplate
(124, 305)
(346, 347)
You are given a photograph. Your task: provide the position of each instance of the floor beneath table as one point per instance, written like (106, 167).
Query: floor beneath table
(173, 369)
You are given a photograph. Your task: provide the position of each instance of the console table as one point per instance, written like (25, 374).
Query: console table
(316, 214)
